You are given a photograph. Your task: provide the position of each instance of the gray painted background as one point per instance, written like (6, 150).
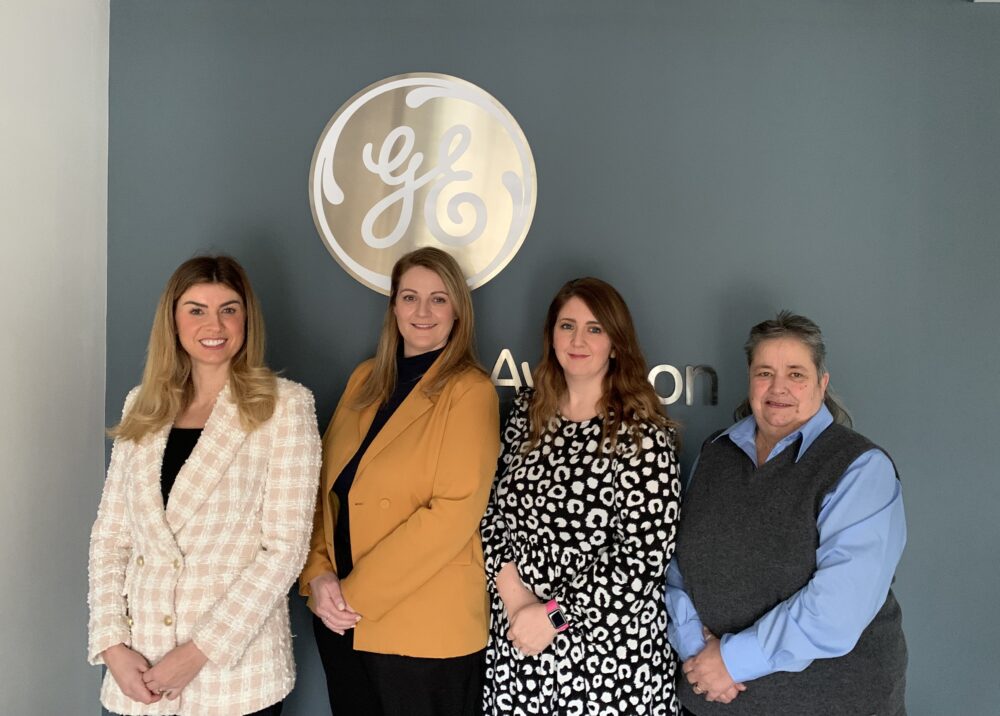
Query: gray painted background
(715, 161)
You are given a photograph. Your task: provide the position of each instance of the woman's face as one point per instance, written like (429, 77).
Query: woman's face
(581, 344)
(424, 311)
(785, 387)
(211, 323)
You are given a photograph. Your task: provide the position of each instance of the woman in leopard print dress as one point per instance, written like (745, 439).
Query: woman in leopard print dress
(581, 525)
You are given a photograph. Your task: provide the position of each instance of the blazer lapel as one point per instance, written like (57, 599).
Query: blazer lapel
(147, 464)
(219, 442)
(415, 405)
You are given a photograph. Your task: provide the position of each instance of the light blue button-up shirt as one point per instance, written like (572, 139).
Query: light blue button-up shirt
(862, 531)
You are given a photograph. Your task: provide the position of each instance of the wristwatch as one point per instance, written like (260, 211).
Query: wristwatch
(556, 618)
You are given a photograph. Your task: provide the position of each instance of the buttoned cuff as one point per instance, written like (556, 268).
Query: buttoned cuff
(743, 656)
(687, 638)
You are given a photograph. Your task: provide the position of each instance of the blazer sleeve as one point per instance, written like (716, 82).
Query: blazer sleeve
(433, 535)
(227, 628)
(109, 554)
(318, 560)
(318, 557)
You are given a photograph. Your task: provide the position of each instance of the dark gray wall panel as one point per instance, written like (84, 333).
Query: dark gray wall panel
(715, 161)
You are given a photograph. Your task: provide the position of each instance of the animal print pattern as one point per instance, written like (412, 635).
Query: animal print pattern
(594, 531)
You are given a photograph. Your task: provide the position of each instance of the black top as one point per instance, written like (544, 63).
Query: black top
(409, 371)
(180, 443)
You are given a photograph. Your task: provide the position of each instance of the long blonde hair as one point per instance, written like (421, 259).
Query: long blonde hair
(628, 399)
(166, 380)
(459, 354)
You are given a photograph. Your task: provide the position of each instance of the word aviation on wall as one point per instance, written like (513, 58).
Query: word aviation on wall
(683, 384)
(422, 159)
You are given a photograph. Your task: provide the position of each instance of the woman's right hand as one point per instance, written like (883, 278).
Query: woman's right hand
(127, 667)
(329, 604)
(514, 595)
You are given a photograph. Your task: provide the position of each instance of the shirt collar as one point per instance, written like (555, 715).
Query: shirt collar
(742, 434)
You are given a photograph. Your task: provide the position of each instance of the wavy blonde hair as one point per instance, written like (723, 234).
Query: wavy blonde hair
(166, 387)
(628, 399)
(459, 354)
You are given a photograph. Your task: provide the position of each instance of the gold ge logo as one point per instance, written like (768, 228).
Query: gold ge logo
(422, 160)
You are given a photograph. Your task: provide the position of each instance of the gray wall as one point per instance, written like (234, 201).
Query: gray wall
(53, 199)
(716, 161)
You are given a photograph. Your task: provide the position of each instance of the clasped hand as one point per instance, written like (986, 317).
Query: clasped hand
(127, 667)
(175, 670)
(148, 684)
(708, 675)
(330, 606)
(530, 630)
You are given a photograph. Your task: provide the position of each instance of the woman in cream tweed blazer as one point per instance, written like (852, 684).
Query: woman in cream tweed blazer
(188, 604)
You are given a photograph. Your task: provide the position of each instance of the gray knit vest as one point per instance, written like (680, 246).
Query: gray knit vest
(748, 541)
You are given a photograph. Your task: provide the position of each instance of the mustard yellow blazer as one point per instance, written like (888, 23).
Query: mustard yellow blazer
(419, 493)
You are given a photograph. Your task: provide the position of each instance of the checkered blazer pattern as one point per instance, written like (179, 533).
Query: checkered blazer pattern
(216, 565)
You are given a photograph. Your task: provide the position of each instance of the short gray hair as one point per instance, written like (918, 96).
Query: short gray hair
(791, 325)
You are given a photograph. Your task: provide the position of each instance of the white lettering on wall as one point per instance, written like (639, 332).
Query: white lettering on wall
(506, 361)
(507, 374)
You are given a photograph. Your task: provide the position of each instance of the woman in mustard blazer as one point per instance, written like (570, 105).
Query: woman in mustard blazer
(395, 573)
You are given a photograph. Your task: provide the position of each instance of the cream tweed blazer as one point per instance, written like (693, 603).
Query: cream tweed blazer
(216, 565)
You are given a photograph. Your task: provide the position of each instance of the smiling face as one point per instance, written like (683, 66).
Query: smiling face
(580, 342)
(210, 320)
(785, 387)
(424, 311)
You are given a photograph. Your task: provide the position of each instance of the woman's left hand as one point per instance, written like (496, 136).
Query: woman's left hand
(530, 630)
(708, 675)
(175, 670)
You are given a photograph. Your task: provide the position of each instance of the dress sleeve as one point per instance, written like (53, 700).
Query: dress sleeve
(110, 551)
(435, 533)
(497, 548)
(227, 628)
(862, 531)
(647, 503)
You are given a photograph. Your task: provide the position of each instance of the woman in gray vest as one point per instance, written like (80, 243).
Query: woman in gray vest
(779, 593)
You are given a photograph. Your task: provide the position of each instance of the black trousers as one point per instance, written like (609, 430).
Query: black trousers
(272, 710)
(361, 683)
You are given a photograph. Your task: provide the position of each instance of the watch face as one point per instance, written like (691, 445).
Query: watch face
(557, 619)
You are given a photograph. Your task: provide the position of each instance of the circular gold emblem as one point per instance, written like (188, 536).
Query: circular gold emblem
(422, 160)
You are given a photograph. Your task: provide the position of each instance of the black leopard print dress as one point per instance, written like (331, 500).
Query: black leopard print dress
(594, 531)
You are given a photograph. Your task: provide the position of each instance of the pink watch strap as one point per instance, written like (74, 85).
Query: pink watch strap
(553, 606)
